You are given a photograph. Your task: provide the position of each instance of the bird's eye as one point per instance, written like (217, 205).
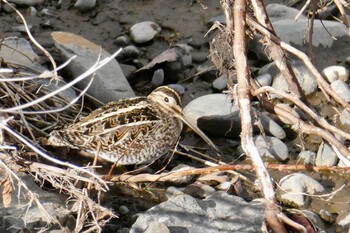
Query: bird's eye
(166, 99)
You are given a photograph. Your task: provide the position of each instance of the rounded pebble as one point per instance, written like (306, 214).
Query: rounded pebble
(342, 89)
(272, 127)
(123, 209)
(292, 187)
(6, 8)
(144, 32)
(85, 5)
(158, 77)
(307, 157)
(333, 73)
(264, 80)
(273, 148)
(220, 83)
(122, 40)
(209, 105)
(326, 156)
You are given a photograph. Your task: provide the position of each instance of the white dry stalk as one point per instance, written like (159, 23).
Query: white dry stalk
(32, 197)
(66, 106)
(86, 74)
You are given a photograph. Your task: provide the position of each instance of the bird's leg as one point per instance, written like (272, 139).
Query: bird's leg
(95, 160)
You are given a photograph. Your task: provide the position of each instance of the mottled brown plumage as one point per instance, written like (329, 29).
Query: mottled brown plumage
(129, 131)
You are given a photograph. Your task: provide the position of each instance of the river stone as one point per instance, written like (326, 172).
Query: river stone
(295, 33)
(109, 84)
(230, 125)
(273, 148)
(85, 5)
(306, 80)
(16, 218)
(219, 212)
(332, 73)
(220, 83)
(264, 80)
(144, 32)
(6, 8)
(271, 127)
(209, 105)
(342, 89)
(307, 157)
(27, 2)
(291, 188)
(278, 12)
(26, 57)
(326, 156)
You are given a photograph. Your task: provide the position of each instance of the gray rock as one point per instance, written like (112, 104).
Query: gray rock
(295, 32)
(218, 213)
(144, 32)
(271, 127)
(326, 156)
(128, 53)
(7, 8)
(68, 94)
(128, 70)
(307, 157)
(9, 53)
(209, 105)
(332, 73)
(264, 80)
(122, 40)
(220, 83)
(345, 117)
(177, 87)
(279, 12)
(158, 78)
(22, 28)
(342, 89)
(173, 192)
(31, 11)
(199, 190)
(85, 5)
(273, 148)
(291, 188)
(347, 60)
(27, 2)
(15, 218)
(216, 115)
(157, 227)
(109, 84)
(306, 80)
(199, 56)
(123, 209)
(221, 126)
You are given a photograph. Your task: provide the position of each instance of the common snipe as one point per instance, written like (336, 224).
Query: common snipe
(129, 131)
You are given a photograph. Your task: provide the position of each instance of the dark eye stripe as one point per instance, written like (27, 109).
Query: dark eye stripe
(171, 93)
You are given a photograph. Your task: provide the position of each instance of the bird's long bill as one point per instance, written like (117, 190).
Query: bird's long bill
(198, 131)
